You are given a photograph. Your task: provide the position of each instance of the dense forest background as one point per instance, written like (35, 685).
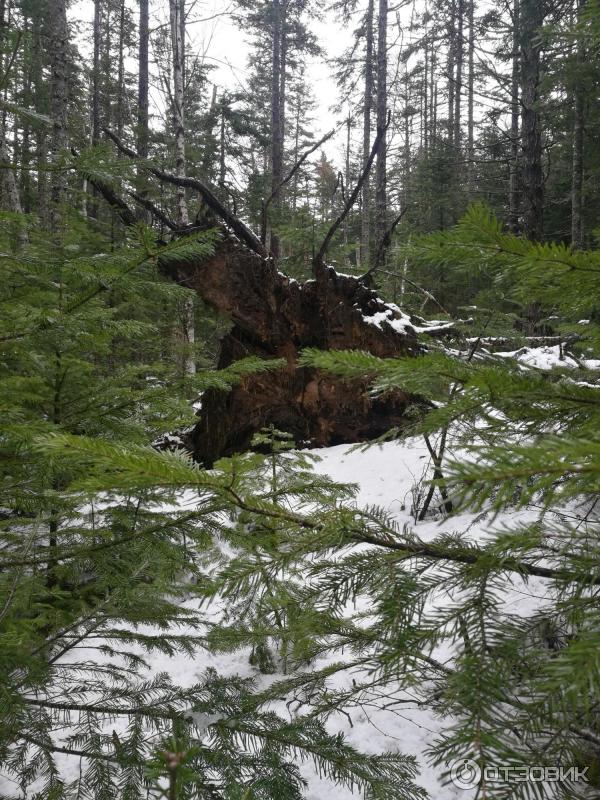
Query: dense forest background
(180, 255)
(488, 104)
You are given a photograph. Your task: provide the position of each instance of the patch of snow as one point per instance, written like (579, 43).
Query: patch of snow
(401, 322)
(545, 358)
(197, 404)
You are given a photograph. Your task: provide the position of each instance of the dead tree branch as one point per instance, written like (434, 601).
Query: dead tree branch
(239, 228)
(287, 179)
(383, 246)
(319, 259)
(155, 211)
(117, 203)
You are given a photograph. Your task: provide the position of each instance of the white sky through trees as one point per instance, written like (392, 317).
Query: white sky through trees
(217, 40)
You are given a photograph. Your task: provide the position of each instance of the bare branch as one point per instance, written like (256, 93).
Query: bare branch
(155, 211)
(319, 259)
(384, 244)
(288, 177)
(127, 216)
(238, 227)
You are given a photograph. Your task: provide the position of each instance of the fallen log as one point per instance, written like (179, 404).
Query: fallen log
(274, 316)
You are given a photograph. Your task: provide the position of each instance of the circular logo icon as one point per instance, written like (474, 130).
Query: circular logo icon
(465, 773)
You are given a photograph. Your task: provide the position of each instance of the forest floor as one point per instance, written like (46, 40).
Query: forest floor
(387, 476)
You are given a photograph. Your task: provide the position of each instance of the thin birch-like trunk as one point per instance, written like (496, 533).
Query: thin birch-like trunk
(177, 44)
(177, 19)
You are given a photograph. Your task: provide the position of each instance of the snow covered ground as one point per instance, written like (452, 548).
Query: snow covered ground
(387, 476)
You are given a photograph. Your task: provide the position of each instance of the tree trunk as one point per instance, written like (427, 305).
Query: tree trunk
(459, 49)
(143, 80)
(365, 237)
(10, 194)
(58, 40)
(142, 122)
(346, 177)
(11, 199)
(513, 191)
(177, 44)
(381, 167)
(277, 113)
(121, 71)
(532, 14)
(471, 103)
(578, 132)
(41, 139)
(407, 139)
(300, 98)
(425, 95)
(222, 167)
(450, 69)
(177, 18)
(96, 74)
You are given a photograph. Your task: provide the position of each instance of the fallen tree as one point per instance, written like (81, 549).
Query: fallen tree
(274, 316)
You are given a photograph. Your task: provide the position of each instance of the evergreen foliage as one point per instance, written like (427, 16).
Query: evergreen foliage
(113, 551)
(524, 687)
(100, 560)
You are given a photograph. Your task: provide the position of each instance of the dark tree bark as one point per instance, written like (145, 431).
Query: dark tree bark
(425, 95)
(58, 41)
(97, 36)
(222, 165)
(41, 139)
(578, 139)
(406, 154)
(277, 117)
(143, 80)
(451, 61)
(121, 71)
(513, 190)
(143, 131)
(26, 149)
(346, 183)
(10, 194)
(91, 207)
(365, 236)
(459, 50)
(471, 102)
(9, 191)
(532, 15)
(381, 167)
